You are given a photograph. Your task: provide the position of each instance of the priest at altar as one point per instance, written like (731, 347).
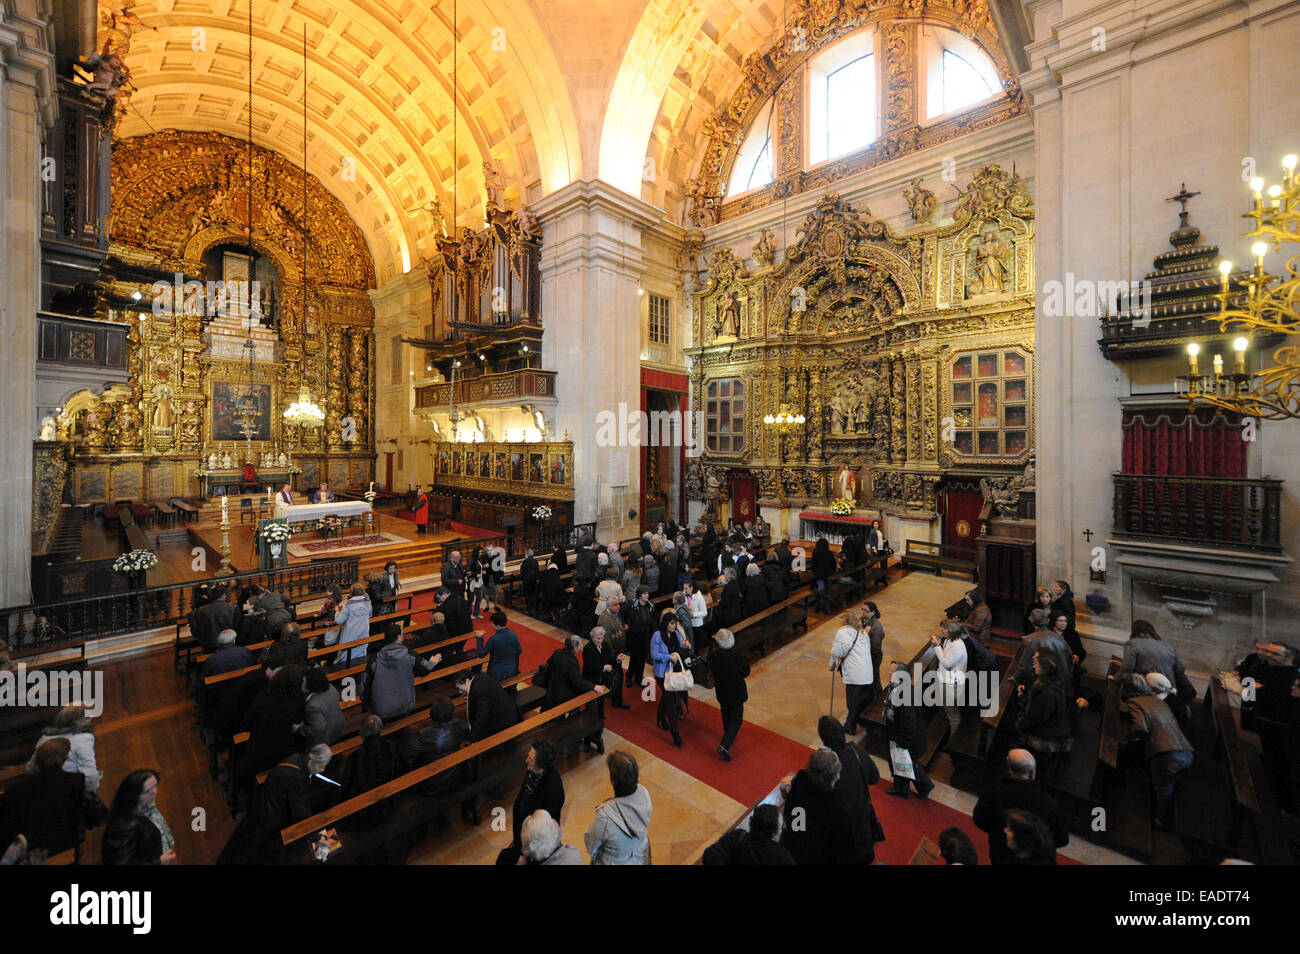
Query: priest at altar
(323, 495)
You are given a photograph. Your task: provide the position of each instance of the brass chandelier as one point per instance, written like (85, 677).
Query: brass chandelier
(785, 419)
(1269, 305)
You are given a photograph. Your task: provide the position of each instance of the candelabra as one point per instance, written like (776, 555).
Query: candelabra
(1261, 305)
(225, 569)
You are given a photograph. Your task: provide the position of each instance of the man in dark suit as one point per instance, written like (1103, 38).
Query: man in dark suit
(453, 573)
(529, 576)
(455, 610)
(207, 622)
(564, 681)
(1017, 790)
(489, 707)
(729, 673)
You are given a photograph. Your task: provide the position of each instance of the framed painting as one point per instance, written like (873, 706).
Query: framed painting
(225, 426)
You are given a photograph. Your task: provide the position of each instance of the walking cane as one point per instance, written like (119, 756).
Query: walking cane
(830, 711)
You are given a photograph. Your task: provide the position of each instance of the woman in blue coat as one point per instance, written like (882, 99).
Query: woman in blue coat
(666, 649)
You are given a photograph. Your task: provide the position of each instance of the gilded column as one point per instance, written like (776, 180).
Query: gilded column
(358, 383)
(913, 411)
(930, 410)
(336, 390)
(897, 412)
(815, 414)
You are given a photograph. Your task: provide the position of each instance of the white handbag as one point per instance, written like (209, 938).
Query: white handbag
(678, 681)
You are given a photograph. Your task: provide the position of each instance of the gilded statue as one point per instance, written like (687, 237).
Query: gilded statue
(728, 322)
(839, 417)
(921, 202)
(765, 248)
(990, 266)
(163, 414)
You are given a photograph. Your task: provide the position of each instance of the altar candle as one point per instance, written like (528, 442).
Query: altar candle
(225, 508)
(372, 486)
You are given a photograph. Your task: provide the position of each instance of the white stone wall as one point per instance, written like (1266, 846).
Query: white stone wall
(26, 107)
(1170, 92)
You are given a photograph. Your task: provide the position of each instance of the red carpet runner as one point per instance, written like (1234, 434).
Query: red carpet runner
(760, 758)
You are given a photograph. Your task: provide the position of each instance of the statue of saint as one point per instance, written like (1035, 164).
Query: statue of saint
(838, 417)
(846, 483)
(729, 316)
(163, 414)
(47, 429)
(991, 270)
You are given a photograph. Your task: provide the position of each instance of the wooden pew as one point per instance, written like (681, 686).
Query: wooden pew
(498, 760)
(790, 613)
(922, 554)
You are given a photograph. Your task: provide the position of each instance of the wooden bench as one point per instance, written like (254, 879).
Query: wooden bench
(495, 759)
(166, 514)
(187, 510)
(922, 554)
(790, 613)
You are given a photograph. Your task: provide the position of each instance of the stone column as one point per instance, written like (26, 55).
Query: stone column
(592, 258)
(27, 107)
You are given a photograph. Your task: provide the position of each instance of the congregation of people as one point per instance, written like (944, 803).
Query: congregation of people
(637, 609)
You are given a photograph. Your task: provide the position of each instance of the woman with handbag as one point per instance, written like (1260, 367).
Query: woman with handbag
(671, 673)
(905, 733)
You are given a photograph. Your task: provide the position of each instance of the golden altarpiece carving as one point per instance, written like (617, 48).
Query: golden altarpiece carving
(177, 197)
(910, 355)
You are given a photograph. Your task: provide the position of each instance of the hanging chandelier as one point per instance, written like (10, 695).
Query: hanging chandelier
(304, 412)
(1269, 306)
(784, 418)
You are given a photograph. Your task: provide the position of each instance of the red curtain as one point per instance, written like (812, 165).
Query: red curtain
(961, 521)
(1175, 443)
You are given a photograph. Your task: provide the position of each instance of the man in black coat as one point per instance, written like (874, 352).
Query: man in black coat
(282, 800)
(453, 573)
(211, 618)
(757, 846)
(640, 618)
(729, 607)
(1017, 790)
(455, 611)
(584, 563)
(729, 673)
(489, 708)
(778, 588)
(784, 555)
(564, 681)
(529, 576)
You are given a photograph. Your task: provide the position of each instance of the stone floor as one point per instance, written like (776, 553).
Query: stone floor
(789, 690)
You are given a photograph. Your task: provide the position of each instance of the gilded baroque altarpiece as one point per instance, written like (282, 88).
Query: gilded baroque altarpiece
(176, 197)
(909, 355)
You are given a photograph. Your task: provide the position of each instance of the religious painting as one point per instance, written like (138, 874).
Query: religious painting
(961, 393)
(964, 443)
(537, 468)
(225, 426)
(457, 462)
(1015, 416)
(988, 442)
(961, 368)
(1013, 363)
(471, 463)
(559, 468)
(516, 466)
(1015, 391)
(501, 464)
(485, 464)
(444, 462)
(988, 366)
(987, 409)
(1017, 442)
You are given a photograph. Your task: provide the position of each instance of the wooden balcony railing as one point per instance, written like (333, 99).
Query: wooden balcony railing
(1222, 512)
(488, 388)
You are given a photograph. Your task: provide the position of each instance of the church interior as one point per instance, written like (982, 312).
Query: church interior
(820, 431)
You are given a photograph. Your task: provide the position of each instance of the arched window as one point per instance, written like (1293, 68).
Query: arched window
(957, 73)
(842, 98)
(753, 168)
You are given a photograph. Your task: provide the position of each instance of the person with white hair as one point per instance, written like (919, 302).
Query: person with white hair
(541, 842)
(729, 673)
(72, 723)
(851, 657)
(949, 647)
(1168, 751)
(228, 656)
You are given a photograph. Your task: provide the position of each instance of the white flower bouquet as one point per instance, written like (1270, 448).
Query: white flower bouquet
(136, 561)
(841, 506)
(542, 512)
(275, 533)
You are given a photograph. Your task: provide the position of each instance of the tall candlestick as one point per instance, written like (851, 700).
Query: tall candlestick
(1218, 365)
(1193, 350)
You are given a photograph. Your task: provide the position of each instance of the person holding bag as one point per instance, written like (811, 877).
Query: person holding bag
(666, 647)
(906, 736)
(851, 658)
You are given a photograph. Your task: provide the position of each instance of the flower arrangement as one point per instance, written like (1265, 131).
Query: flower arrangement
(136, 561)
(199, 474)
(295, 469)
(328, 523)
(841, 506)
(542, 512)
(275, 533)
